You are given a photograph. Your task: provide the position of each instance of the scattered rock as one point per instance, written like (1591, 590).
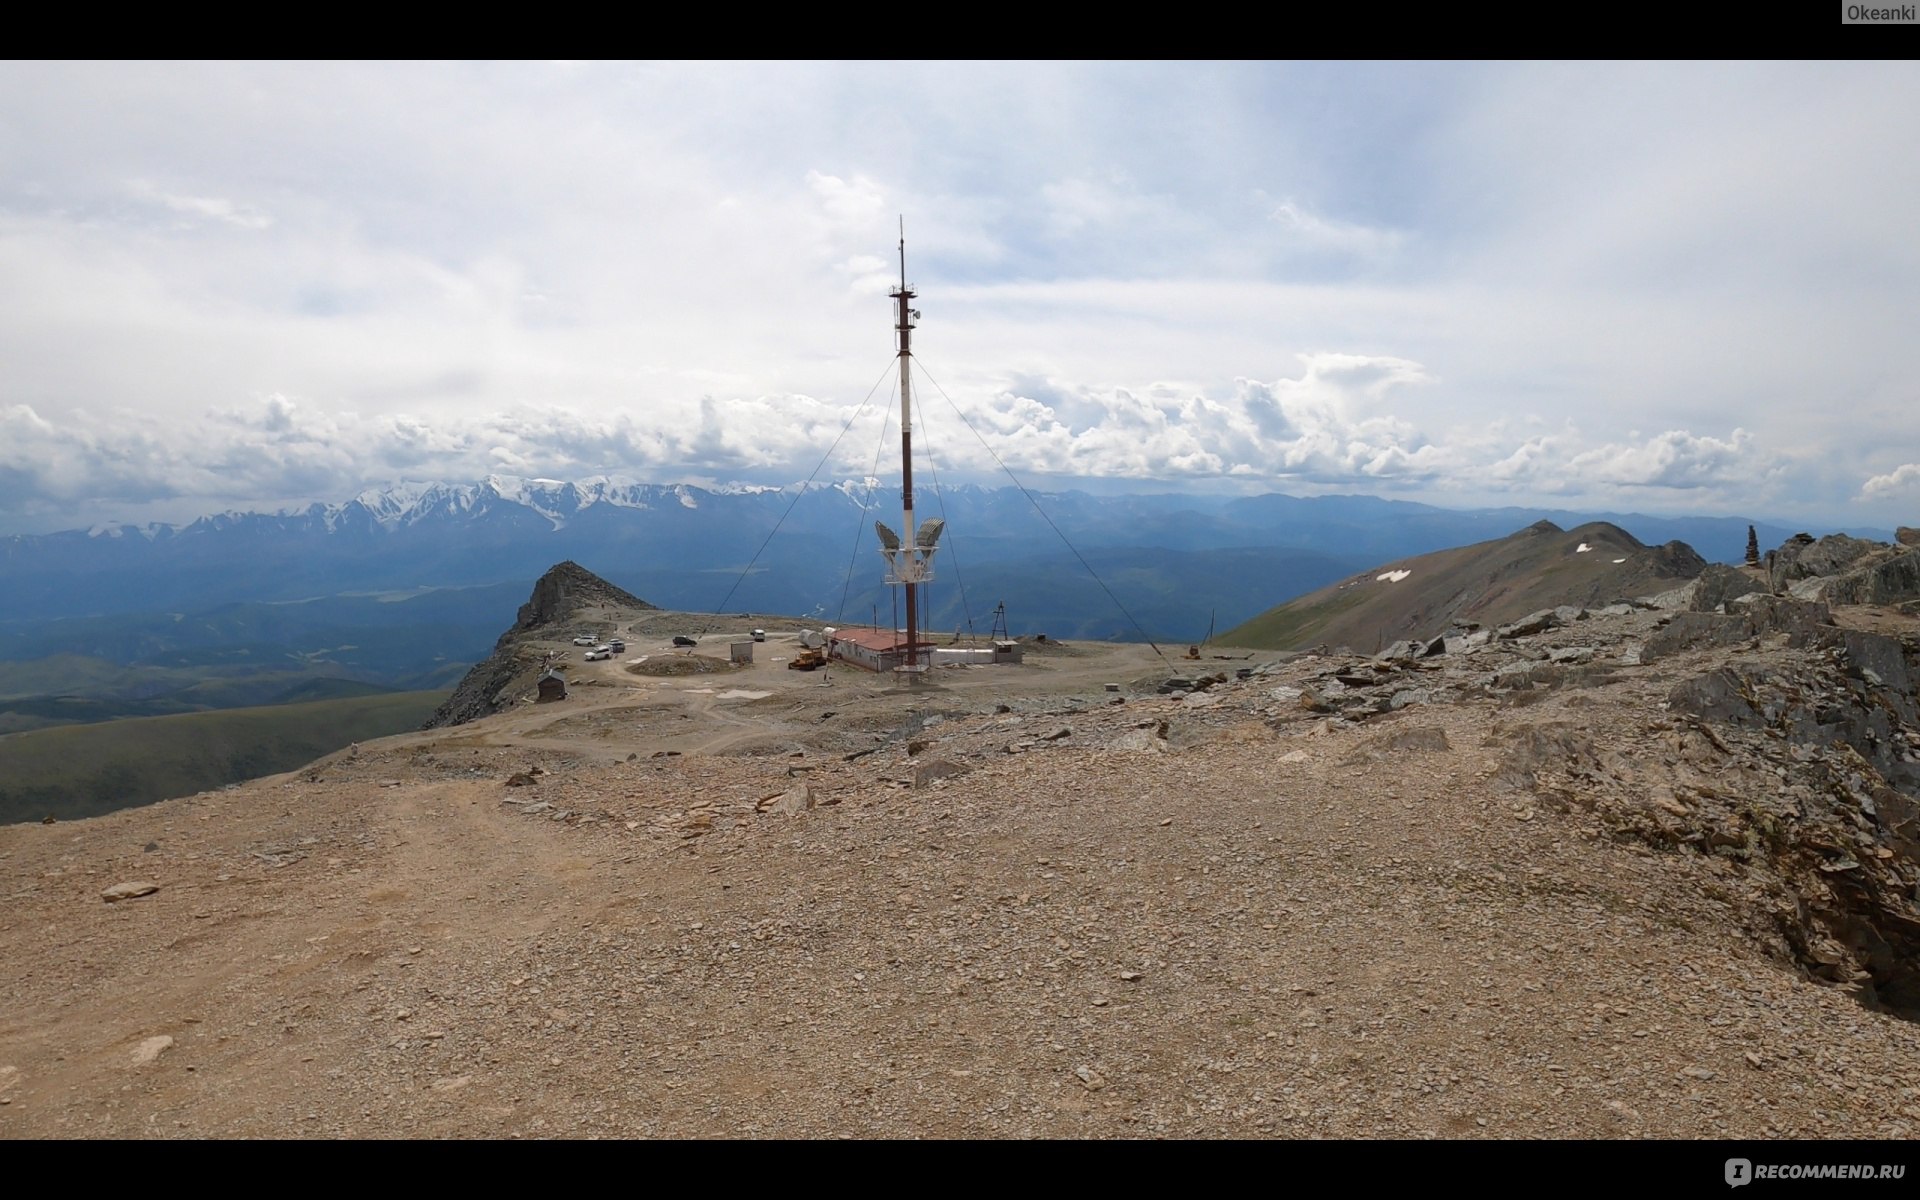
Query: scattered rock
(938, 768)
(1528, 625)
(151, 1049)
(789, 803)
(128, 891)
(1719, 583)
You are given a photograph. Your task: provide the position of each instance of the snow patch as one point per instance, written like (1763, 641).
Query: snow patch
(1619, 560)
(1393, 576)
(1582, 548)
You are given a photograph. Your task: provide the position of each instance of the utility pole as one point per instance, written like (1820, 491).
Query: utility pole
(910, 572)
(909, 558)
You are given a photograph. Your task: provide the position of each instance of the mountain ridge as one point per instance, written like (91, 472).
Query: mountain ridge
(684, 546)
(1539, 567)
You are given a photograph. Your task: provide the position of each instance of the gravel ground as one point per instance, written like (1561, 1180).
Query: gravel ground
(1211, 915)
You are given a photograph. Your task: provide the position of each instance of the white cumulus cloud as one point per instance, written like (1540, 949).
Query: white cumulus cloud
(1900, 481)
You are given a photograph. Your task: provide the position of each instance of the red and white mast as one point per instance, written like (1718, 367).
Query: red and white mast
(909, 564)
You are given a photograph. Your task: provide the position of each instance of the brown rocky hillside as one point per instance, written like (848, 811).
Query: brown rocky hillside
(1638, 871)
(1490, 583)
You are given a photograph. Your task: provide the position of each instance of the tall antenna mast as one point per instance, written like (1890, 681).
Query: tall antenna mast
(909, 557)
(912, 576)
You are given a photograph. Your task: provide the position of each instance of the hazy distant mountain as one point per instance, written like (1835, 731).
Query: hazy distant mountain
(688, 548)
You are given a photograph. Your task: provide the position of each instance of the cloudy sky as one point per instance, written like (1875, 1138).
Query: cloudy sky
(1652, 287)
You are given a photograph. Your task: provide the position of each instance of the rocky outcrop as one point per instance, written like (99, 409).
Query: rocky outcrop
(479, 690)
(1846, 570)
(1891, 579)
(1830, 555)
(564, 590)
(1719, 583)
(1789, 748)
(1802, 622)
(1841, 823)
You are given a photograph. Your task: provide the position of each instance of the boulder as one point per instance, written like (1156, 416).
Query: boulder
(1717, 696)
(1466, 643)
(1802, 557)
(789, 803)
(1719, 583)
(1805, 622)
(1532, 623)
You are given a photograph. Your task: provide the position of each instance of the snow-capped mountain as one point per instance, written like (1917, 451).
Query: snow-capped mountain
(701, 548)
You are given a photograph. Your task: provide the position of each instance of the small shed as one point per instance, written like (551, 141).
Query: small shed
(553, 686)
(742, 652)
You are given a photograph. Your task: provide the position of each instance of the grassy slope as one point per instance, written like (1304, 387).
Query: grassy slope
(1292, 625)
(85, 770)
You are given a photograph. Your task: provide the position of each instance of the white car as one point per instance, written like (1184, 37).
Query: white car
(584, 641)
(599, 652)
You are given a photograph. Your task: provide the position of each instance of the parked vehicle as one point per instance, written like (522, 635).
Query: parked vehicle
(586, 641)
(684, 640)
(759, 635)
(617, 646)
(599, 652)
